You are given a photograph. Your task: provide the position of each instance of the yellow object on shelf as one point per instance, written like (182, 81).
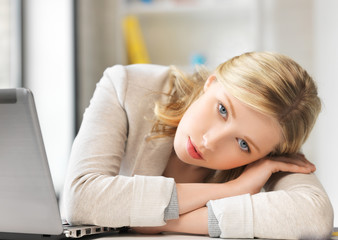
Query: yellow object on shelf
(137, 51)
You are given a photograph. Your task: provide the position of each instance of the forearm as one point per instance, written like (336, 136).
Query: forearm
(194, 222)
(302, 198)
(192, 196)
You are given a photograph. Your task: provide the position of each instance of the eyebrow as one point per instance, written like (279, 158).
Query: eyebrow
(233, 113)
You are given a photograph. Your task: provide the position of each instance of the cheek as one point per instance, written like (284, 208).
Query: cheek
(179, 144)
(231, 158)
(188, 120)
(199, 114)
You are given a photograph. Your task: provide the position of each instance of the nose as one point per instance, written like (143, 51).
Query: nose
(211, 140)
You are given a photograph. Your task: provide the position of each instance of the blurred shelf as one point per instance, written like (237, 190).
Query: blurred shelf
(175, 31)
(139, 7)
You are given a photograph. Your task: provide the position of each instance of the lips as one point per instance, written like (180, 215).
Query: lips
(192, 150)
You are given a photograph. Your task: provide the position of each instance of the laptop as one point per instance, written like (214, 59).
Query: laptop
(28, 203)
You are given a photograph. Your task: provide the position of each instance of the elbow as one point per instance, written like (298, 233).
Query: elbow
(74, 208)
(318, 230)
(70, 207)
(71, 211)
(322, 227)
(320, 219)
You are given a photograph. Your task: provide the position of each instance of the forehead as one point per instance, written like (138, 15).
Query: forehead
(263, 130)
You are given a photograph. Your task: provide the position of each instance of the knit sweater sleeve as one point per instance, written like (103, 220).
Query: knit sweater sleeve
(294, 206)
(94, 191)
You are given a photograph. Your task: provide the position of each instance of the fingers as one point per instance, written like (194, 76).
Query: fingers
(297, 160)
(279, 166)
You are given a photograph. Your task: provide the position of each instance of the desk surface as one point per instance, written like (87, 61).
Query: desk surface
(165, 236)
(134, 236)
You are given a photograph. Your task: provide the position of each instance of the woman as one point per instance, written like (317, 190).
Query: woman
(198, 164)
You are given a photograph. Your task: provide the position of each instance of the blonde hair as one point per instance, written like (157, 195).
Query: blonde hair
(271, 83)
(277, 86)
(183, 91)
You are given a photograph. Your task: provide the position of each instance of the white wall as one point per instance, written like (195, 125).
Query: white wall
(307, 31)
(97, 35)
(10, 44)
(48, 72)
(5, 45)
(326, 73)
(287, 27)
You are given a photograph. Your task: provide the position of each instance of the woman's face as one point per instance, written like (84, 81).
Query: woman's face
(220, 132)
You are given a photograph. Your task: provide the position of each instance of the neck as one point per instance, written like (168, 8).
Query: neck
(183, 172)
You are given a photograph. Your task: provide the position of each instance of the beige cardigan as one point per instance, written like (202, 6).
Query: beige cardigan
(114, 175)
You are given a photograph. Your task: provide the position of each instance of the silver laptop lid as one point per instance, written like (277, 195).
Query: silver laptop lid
(27, 198)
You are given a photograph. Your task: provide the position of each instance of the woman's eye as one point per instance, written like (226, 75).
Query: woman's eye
(243, 145)
(222, 110)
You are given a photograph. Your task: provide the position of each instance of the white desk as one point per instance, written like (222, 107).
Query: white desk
(164, 236)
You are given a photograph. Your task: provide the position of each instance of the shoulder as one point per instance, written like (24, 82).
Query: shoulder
(145, 73)
(135, 79)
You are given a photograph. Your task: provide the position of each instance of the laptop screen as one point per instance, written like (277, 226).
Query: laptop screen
(27, 198)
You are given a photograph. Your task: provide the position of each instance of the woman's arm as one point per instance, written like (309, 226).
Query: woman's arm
(194, 222)
(192, 196)
(113, 128)
(297, 203)
(294, 206)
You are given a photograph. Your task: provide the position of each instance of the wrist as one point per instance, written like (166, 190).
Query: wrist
(194, 222)
(234, 187)
(192, 196)
(170, 226)
(243, 186)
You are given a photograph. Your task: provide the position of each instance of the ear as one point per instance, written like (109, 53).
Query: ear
(211, 79)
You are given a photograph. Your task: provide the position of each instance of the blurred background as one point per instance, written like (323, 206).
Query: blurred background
(60, 48)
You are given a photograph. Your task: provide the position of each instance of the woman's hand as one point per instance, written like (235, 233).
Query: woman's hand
(256, 174)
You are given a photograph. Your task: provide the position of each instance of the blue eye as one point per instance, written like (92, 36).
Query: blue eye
(243, 145)
(222, 110)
